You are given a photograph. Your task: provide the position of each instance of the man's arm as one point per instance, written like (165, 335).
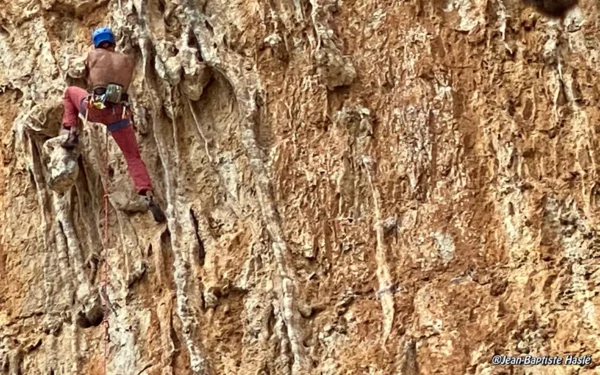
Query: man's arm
(88, 65)
(129, 70)
(86, 70)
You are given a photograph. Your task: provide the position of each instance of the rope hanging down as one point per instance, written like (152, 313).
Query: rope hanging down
(105, 280)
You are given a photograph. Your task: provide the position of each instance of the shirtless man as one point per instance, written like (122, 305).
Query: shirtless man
(109, 73)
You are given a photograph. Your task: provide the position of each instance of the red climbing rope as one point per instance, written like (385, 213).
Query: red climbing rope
(105, 281)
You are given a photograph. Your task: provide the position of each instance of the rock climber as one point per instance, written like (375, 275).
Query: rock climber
(109, 74)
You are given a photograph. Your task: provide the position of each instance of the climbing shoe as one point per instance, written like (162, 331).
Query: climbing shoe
(158, 214)
(71, 141)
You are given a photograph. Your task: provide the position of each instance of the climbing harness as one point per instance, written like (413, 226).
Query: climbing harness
(112, 93)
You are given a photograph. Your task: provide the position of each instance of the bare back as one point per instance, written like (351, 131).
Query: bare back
(106, 67)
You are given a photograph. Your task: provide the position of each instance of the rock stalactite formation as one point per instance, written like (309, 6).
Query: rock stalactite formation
(375, 187)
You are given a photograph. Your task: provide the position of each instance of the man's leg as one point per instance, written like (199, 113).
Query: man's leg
(72, 99)
(126, 141)
(125, 138)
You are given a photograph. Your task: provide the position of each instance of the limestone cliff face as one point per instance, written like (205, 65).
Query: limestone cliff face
(374, 187)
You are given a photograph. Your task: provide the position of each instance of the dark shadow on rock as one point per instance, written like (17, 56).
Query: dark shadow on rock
(91, 318)
(552, 8)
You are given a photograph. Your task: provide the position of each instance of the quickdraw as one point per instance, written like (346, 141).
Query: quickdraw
(99, 104)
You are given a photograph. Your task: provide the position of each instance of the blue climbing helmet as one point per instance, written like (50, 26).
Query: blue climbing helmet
(102, 34)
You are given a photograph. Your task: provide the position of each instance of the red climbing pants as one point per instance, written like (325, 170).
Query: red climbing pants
(75, 103)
